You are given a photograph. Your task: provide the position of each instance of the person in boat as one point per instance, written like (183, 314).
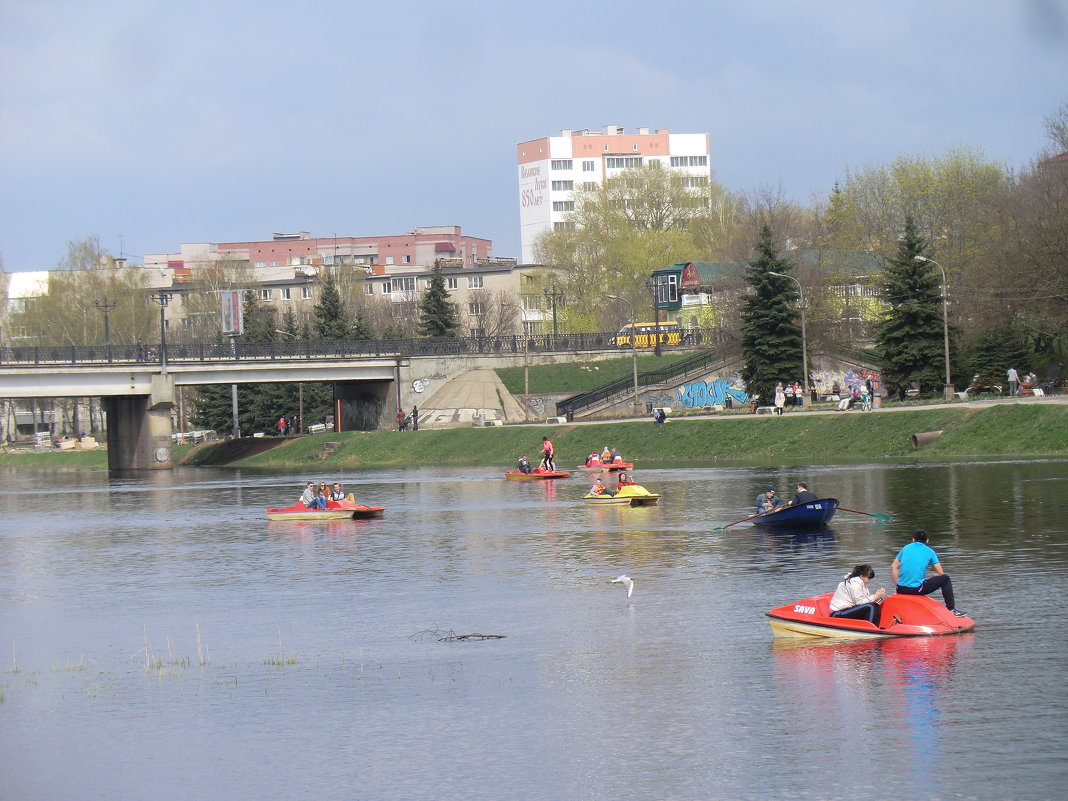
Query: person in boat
(767, 501)
(524, 465)
(547, 454)
(310, 498)
(616, 456)
(606, 455)
(909, 572)
(591, 459)
(852, 598)
(337, 493)
(599, 488)
(323, 492)
(624, 481)
(803, 496)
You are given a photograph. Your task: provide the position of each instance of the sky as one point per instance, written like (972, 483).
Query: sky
(151, 124)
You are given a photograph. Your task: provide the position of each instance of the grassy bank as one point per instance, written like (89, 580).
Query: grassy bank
(1017, 430)
(1027, 430)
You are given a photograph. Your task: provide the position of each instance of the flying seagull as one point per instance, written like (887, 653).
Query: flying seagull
(627, 582)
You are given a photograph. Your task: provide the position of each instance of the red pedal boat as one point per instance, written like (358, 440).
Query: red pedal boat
(902, 616)
(335, 510)
(537, 474)
(597, 466)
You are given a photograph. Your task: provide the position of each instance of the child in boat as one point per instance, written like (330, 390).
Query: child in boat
(852, 599)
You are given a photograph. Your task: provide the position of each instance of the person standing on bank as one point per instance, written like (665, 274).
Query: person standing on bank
(415, 418)
(780, 398)
(852, 598)
(1014, 380)
(909, 572)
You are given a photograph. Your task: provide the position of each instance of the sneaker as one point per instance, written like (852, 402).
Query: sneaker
(958, 613)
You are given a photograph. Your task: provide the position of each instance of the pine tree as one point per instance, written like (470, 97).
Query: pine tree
(260, 321)
(771, 339)
(331, 317)
(437, 315)
(910, 337)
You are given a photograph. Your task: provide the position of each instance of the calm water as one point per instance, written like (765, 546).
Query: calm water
(319, 680)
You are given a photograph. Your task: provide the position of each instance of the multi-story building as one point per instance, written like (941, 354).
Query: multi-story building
(552, 168)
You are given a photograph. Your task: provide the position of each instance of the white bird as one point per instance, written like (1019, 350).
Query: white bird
(627, 582)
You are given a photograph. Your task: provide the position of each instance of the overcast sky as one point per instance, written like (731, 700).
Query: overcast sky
(154, 123)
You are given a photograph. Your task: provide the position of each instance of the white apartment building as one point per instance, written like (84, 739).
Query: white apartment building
(550, 169)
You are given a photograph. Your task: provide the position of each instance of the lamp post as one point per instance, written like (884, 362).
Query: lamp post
(654, 287)
(553, 296)
(300, 389)
(633, 349)
(162, 298)
(948, 388)
(804, 340)
(106, 307)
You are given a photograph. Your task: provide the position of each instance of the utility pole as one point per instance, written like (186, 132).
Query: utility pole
(554, 296)
(106, 307)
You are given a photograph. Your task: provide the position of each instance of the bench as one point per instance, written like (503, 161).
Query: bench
(551, 421)
(316, 428)
(765, 410)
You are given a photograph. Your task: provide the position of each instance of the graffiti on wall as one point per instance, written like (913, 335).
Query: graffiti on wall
(709, 393)
(826, 380)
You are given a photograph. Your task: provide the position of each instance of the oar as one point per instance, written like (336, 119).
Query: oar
(736, 522)
(879, 517)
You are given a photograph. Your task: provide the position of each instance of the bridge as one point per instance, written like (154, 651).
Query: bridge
(371, 378)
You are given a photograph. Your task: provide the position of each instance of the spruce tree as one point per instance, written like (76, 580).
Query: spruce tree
(437, 315)
(331, 317)
(910, 338)
(771, 339)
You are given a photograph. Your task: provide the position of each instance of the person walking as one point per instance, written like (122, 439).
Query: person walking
(909, 572)
(1014, 380)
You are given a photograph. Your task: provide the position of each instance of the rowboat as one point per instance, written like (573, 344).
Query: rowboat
(630, 495)
(597, 466)
(901, 616)
(537, 474)
(816, 513)
(335, 510)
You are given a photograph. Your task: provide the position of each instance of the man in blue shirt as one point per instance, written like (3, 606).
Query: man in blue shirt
(909, 572)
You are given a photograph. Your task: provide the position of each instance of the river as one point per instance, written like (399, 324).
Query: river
(159, 638)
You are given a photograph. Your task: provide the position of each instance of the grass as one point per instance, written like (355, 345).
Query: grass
(575, 377)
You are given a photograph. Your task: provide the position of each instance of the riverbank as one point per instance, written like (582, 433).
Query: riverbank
(1032, 430)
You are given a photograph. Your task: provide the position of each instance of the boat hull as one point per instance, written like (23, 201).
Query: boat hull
(605, 467)
(628, 496)
(536, 475)
(335, 510)
(817, 513)
(919, 615)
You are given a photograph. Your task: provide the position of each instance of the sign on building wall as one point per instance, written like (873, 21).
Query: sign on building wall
(233, 321)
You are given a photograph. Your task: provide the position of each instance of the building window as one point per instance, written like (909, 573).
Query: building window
(589, 166)
(261, 264)
(563, 186)
(560, 164)
(274, 264)
(474, 309)
(389, 259)
(407, 259)
(368, 288)
(621, 162)
(563, 205)
(478, 333)
(563, 226)
(689, 161)
(285, 292)
(450, 283)
(695, 181)
(474, 282)
(265, 294)
(305, 292)
(403, 284)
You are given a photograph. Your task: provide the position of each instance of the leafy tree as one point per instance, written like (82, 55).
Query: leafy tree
(1057, 126)
(910, 337)
(437, 317)
(331, 318)
(771, 340)
(994, 351)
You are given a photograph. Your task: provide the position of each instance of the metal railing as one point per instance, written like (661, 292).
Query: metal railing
(177, 353)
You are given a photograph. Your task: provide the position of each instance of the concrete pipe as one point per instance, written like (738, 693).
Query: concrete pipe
(926, 438)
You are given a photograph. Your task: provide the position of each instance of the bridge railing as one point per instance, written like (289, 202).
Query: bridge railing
(283, 350)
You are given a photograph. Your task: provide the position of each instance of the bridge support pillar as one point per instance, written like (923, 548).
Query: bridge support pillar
(139, 428)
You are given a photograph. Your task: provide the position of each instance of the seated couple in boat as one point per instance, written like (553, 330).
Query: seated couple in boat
(605, 457)
(768, 501)
(316, 499)
(599, 487)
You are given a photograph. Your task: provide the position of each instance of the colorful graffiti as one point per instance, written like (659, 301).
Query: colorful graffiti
(710, 393)
(825, 381)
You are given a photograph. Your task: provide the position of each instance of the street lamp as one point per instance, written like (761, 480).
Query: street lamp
(162, 298)
(948, 389)
(553, 296)
(106, 307)
(300, 387)
(633, 349)
(804, 340)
